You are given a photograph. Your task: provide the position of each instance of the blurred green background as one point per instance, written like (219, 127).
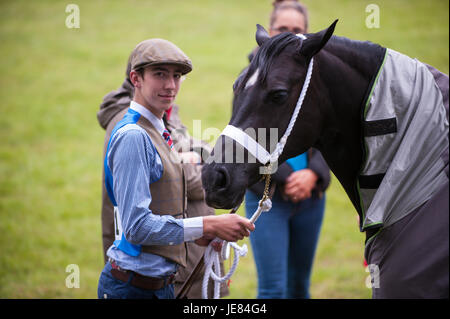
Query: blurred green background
(52, 80)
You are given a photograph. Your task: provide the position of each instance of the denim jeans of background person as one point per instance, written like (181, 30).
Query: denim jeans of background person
(285, 241)
(284, 244)
(146, 184)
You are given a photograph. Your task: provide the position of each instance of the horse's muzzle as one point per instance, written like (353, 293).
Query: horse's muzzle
(222, 189)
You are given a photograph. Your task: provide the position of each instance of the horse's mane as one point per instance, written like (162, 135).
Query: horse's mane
(348, 49)
(266, 54)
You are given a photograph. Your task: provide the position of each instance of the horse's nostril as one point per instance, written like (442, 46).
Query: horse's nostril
(222, 178)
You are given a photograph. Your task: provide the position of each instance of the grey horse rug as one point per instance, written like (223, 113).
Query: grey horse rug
(403, 184)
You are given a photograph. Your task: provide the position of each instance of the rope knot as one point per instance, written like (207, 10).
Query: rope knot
(242, 250)
(265, 205)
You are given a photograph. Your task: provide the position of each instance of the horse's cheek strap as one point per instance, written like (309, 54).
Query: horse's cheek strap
(248, 142)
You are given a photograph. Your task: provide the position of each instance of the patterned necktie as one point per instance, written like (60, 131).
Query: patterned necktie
(167, 138)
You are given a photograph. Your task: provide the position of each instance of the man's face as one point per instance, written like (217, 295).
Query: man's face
(158, 87)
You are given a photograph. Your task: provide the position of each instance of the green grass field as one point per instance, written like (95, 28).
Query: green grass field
(52, 80)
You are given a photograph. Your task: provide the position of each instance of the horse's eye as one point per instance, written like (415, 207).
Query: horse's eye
(278, 96)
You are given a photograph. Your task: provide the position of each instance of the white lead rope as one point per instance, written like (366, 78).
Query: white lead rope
(212, 261)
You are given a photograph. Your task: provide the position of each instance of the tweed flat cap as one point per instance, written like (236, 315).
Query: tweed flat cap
(159, 51)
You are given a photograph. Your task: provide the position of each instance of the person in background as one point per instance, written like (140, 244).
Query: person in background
(145, 181)
(285, 241)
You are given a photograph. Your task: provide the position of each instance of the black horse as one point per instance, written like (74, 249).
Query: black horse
(380, 120)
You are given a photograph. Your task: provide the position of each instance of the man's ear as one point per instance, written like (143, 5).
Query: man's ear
(261, 35)
(316, 41)
(135, 79)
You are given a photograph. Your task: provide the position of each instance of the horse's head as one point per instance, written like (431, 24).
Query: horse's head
(265, 96)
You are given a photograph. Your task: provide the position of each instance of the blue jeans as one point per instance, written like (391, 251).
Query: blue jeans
(112, 288)
(284, 243)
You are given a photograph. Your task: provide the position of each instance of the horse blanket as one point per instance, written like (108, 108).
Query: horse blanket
(404, 113)
(403, 191)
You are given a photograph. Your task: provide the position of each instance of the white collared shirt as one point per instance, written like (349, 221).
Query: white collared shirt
(156, 122)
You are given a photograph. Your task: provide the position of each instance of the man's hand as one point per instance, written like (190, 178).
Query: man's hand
(229, 227)
(299, 185)
(205, 242)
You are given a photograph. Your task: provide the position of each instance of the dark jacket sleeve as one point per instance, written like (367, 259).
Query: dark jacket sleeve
(318, 165)
(114, 102)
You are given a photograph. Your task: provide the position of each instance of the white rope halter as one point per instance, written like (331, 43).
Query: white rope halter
(211, 256)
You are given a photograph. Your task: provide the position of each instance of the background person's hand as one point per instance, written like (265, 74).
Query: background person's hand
(299, 185)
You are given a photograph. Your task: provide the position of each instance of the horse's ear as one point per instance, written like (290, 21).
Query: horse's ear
(261, 35)
(316, 41)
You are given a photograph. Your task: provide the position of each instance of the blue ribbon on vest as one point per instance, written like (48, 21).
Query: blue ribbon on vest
(131, 117)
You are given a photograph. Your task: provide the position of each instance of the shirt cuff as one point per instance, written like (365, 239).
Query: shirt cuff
(193, 228)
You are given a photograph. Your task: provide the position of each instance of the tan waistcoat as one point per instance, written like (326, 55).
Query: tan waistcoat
(168, 193)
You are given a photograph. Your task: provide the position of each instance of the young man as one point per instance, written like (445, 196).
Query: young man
(114, 106)
(146, 185)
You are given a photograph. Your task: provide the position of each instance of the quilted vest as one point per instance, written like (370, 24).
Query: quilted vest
(168, 193)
